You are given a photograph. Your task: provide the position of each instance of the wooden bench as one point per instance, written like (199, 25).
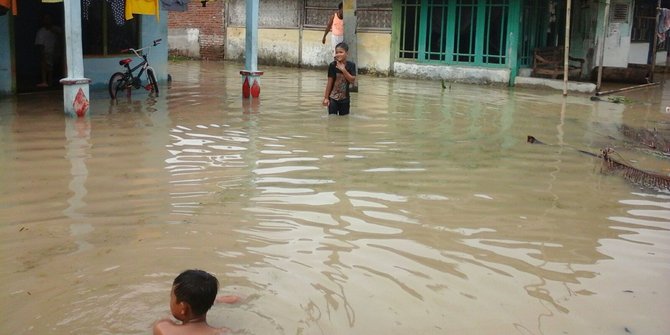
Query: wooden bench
(549, 62)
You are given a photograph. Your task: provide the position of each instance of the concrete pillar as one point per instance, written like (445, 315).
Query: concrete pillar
(350, 25)
(350, 22)
(75, 86)
(251, 86)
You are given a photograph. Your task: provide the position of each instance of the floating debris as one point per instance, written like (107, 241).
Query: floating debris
(651, 139)
(633, 174)
(610, 165)
(619, 99)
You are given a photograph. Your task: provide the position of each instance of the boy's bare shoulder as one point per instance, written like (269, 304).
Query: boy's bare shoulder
(169, 327)
(164, 327)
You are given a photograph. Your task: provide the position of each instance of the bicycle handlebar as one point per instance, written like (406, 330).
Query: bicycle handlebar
(137, 51)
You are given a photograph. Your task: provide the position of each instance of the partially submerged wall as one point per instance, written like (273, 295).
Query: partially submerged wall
(282, 46)
(198, 32)
(290, 33)
(463, 74)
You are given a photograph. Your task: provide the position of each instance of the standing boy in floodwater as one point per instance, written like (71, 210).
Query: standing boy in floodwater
(193, 294)
(336, 26)
(341, 73)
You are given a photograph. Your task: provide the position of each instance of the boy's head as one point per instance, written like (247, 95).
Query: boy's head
(339, 6)
(195, 288)
(341, 50)
(342, 46)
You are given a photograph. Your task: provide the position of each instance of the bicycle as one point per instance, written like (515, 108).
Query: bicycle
(126, 80)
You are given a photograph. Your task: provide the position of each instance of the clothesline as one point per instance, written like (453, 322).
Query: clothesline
(122, 10)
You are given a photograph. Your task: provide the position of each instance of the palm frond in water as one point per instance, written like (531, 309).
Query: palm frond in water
(632, 174)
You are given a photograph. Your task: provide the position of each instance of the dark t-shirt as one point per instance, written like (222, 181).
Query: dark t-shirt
(341, 85)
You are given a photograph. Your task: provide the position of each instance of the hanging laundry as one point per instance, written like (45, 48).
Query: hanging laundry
(175, 5)
(118, 10)
(85, 4)
(148, 7)
(663, 24)
(10, 5)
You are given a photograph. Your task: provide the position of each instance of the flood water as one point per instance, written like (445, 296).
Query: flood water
(423, 212)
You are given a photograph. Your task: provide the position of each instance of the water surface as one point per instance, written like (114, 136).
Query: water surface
(423, 212)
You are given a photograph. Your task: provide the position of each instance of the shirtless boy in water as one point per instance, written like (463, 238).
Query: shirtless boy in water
(193, 294)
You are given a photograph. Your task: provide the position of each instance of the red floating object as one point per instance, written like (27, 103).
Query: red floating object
(245, 87)
(255, 89)
(80, 103)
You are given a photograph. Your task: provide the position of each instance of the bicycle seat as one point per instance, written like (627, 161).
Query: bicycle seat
(125, 61)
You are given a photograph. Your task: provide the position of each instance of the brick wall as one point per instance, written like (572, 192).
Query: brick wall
(209, 21)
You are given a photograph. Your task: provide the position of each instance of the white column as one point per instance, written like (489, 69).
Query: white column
(350, 25)
(350, 22)
(251, 87)
(75, 86)
(566, 51)
(251, 45)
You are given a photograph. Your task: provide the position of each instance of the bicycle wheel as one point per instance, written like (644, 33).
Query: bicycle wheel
(117, 83)
(153, 84)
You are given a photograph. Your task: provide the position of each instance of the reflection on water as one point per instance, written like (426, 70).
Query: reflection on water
(77, 134)
(424, 211)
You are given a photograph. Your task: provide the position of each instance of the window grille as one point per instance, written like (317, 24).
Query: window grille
(409, 34)
(619, 13)
(371, 15)
(454, 31)
(533, 35)
(643, 22)
(102, 36)
(271, 13)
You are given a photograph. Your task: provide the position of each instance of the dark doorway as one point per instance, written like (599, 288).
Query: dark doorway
(27, 55)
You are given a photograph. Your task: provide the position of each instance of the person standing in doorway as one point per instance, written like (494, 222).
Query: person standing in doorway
(47, 40)
(336, 26)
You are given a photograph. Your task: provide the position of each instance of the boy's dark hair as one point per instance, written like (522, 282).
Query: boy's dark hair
(197, 288)
(343, 46)
(339, 6)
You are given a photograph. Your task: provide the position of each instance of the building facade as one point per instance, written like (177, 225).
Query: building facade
(290, 33)
(479, 41)
(198, 32)
(104, 35)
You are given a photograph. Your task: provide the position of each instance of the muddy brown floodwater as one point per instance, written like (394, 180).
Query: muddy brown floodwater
(423, 212)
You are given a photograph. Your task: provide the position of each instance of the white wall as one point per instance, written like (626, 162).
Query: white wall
(463, 74)
(639, 51)
(279, 46)
(617, 37)
(185, 41)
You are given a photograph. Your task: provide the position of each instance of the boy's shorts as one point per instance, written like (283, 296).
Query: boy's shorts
(338, 107)
(336, 39)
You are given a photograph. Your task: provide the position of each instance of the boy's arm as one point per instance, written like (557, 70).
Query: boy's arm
(348, 76)
(228, 299)
(328, 27)
(329, 88)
